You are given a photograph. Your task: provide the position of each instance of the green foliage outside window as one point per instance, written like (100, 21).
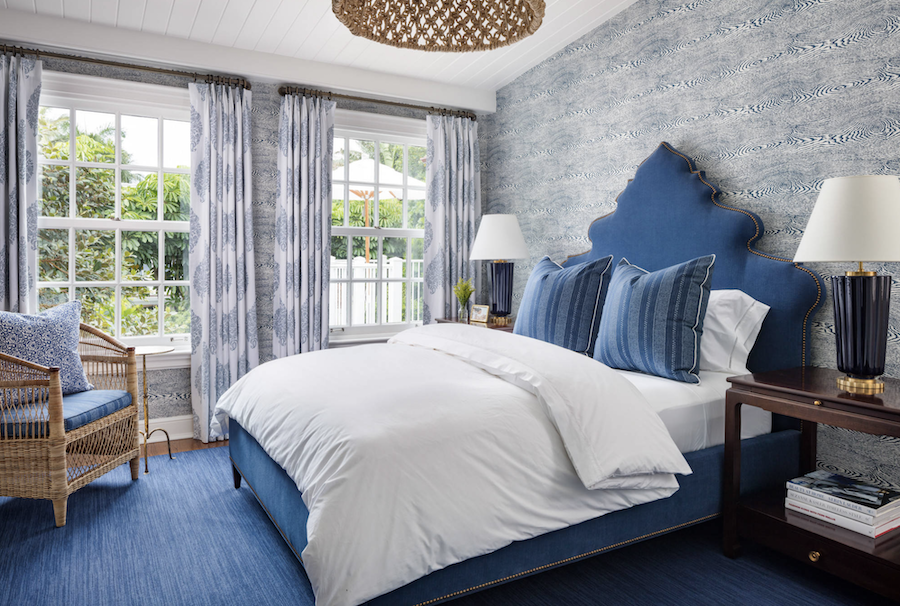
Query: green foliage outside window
(390, 210)
(95, 253)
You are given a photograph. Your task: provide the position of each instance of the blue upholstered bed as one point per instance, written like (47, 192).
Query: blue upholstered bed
(667, 214)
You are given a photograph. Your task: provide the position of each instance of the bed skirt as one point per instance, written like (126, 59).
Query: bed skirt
(766, 460)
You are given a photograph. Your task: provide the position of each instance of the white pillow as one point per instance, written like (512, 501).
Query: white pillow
(732, 323)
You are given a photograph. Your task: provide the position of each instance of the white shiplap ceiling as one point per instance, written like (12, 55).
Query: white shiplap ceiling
(308, 30)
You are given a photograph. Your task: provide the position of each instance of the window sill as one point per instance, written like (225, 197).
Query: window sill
(178, 359)
(343, 339)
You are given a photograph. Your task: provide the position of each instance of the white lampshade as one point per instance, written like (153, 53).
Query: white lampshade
(498, 237)
(855, 219)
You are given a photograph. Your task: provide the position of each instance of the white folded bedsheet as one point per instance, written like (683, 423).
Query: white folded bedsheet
(694, 413)
(448, 443)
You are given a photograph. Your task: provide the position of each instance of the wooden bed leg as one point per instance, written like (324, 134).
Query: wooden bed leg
(237, 476)
(59, 511)
(732, 470)
(135, 465)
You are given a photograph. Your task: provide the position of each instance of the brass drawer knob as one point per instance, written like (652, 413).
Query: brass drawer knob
(817, 403)
(814, 556)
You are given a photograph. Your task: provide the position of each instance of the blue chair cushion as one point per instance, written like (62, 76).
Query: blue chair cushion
(652, 321)
(562, 305)
(49, 338)
(79, 409)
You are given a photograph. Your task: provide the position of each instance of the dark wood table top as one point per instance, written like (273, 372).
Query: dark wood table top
(821, 383)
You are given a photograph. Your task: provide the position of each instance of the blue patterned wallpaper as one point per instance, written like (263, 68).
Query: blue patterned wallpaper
(770, 97)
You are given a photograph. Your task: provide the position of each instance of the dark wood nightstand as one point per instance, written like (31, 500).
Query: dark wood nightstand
(504, 328)
(811, 395)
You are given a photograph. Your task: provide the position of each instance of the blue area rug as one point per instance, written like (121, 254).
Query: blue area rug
(184, 535)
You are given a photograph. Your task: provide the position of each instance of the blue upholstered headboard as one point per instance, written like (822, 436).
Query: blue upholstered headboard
(670, 213)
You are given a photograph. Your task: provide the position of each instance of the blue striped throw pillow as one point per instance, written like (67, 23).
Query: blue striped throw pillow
(562, 305)
(652, 321)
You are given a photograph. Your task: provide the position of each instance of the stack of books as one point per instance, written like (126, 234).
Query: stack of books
(850, 504)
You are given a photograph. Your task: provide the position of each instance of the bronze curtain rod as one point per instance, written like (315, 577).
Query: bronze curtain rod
(208, 78)
(296, 90)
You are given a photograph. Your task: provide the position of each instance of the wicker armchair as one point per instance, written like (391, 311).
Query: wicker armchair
(39, 459)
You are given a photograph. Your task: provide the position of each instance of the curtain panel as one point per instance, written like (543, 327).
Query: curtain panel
(303, 225)
(224, 344)
(20, 98)
(453, 181)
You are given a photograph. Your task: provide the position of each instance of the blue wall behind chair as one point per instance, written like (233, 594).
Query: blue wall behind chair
(769, 97)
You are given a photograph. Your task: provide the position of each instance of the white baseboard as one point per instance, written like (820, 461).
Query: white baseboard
(178, 428)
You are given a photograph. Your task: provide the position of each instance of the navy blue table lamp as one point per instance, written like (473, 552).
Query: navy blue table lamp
(855, 219)
(498, 240)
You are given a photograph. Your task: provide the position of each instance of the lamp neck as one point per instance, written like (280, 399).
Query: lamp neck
(860, 272)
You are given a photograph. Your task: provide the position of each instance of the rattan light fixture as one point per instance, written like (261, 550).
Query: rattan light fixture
(441, 25)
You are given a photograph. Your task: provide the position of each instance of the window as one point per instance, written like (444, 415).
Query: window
(114, 162)
(378, 228)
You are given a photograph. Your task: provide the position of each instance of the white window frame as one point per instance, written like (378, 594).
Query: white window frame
(89, 93)
(389, 129)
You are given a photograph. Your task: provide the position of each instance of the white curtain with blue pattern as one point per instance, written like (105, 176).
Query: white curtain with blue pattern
(453, 178)
(303, 225)
(224, 344)
(20, 99)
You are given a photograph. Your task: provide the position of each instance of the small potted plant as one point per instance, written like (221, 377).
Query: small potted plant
(463, 291)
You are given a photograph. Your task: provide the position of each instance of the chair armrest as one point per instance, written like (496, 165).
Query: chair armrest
(95, 341)
(108, 363)
(29, 394)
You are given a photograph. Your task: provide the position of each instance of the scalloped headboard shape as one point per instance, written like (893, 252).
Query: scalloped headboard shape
(670, 213)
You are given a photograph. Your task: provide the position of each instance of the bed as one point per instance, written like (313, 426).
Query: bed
(672, 201)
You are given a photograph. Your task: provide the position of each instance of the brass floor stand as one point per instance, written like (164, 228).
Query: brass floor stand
(147, 433)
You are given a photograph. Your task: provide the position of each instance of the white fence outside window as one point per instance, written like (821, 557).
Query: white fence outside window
(394, 296)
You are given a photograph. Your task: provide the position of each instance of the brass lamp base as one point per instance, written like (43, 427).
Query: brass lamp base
(860, 386)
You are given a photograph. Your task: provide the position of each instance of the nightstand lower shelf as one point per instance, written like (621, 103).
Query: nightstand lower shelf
(873, 564)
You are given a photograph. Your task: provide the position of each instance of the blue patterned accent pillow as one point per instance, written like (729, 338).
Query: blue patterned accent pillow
(652, 321)
(562, 305)
(49, 338)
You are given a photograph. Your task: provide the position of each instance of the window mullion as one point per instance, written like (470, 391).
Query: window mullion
(349, 280)
(346, 184)
(405, 220)
(161, 276)
(375, 186)
(72, 255)
(118, 166)
(118, 275)
(161, 184)
(160, 235)
(408, 266)
(71, 163)
(381, 312)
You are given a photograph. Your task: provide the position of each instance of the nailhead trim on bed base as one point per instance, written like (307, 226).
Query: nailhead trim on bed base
(570, 559)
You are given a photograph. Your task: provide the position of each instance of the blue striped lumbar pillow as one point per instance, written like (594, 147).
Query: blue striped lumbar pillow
(562, 305)
(652, 321)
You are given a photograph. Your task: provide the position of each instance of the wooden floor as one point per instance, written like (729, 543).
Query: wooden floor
(159, 448)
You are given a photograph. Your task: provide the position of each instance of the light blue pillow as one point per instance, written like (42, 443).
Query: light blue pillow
(49, 338)
(652, 321)
(562, 305)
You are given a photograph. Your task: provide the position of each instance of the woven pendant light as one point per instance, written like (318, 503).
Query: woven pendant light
(441, 25)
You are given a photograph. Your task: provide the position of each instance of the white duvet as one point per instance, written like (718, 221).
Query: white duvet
(447, 443)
